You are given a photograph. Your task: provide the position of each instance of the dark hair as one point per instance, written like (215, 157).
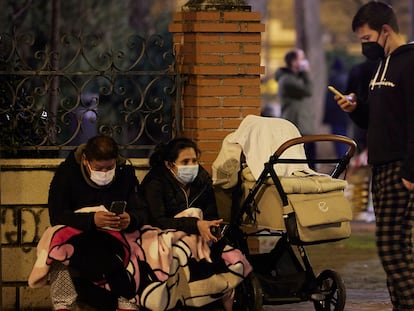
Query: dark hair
(170, 151)
(101, 148)
(290, 57)
(375, 14)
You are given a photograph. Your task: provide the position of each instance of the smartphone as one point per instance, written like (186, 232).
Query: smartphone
(218, 231)
(224, 229)
(335, 91)
(118, 207)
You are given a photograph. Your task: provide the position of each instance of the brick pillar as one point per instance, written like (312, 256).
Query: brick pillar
(218, 52)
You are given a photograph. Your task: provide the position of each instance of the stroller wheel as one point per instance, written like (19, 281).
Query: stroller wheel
(332, 289)
(248, 295)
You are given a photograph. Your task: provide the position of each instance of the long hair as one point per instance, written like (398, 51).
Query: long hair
(169, 152)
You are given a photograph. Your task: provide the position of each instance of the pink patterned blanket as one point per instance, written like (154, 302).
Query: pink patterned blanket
(152, 268)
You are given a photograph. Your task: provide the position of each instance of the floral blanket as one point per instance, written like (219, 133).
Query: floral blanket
(152, 268)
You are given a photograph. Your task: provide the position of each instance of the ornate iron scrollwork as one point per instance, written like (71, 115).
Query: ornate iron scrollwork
(54, 100)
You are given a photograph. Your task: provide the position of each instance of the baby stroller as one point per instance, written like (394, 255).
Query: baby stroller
(288, 203)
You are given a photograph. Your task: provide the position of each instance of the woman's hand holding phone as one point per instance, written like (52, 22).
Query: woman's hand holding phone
(115, 218)
(118, 207)
(204, 229)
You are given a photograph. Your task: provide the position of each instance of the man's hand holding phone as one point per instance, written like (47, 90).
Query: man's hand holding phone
(346, 102)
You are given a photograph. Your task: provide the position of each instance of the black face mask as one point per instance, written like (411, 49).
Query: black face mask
(373, 50)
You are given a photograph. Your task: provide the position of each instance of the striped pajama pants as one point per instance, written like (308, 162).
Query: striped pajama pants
(394, 213)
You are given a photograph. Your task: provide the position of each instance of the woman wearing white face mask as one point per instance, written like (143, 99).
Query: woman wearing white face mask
(93, 176)
(175, 186)
(176, 182)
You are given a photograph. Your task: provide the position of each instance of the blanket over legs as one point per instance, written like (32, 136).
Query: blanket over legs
(153, 268)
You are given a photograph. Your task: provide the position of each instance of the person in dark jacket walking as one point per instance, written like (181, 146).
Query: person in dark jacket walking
(388, 116)
(93, 176)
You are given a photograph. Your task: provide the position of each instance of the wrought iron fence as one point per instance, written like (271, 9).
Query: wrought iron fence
(53, 98)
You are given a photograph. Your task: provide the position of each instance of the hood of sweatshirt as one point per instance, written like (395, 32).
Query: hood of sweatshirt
(379, 78)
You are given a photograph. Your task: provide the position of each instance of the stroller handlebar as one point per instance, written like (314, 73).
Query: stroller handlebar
(318, 137)
(341, 163)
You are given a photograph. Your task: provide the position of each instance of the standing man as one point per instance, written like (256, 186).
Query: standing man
(388, 114)
(295, 89)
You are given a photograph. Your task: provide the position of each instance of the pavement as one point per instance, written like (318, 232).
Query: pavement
(356, 260)
(357, 300)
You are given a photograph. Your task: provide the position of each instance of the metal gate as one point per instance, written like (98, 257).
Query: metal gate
(52, 99)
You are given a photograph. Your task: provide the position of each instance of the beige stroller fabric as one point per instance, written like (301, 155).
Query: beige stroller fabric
(258, 138)
(301, 182)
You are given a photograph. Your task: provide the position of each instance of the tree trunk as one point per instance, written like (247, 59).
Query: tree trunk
(411, 12)
(309, 38)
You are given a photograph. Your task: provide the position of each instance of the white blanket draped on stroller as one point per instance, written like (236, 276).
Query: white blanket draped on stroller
(258, 138)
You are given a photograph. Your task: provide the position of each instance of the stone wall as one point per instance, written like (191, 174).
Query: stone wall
(24, 185)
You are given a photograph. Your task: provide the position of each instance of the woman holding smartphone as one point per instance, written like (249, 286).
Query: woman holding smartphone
(175, 184)
(92, 177)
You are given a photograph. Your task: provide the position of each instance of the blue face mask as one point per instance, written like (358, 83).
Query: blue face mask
(186, 173)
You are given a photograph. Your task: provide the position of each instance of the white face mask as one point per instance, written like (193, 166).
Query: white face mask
(102, 178)
(186, 173)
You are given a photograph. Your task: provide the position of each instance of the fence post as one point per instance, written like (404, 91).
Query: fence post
(217, 48)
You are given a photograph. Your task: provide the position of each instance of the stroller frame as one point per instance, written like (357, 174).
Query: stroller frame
(264, 287)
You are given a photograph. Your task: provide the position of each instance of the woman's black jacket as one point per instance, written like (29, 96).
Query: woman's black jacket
(71, 189)
(165, 198)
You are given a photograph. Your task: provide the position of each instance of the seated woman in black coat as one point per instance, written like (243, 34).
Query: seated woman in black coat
(175, 183)
(92, 177)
